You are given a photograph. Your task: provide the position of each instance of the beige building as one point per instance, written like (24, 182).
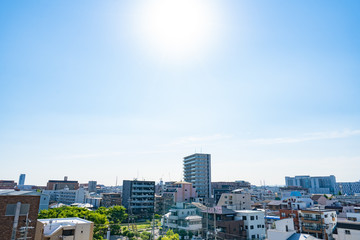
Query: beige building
(236, 200)
(64, 228)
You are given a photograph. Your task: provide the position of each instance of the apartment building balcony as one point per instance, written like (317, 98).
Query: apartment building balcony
(312, 220)
(143, 206)
(143, 190)
(312, 229)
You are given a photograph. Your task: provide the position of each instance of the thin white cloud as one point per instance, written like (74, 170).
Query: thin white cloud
(307, 137)
(198, 139)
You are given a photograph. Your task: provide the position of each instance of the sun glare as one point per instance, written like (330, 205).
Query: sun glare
(177, 30)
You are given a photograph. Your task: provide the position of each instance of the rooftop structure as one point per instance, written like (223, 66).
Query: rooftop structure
(64, 228)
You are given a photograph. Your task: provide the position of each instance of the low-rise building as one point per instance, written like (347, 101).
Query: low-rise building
(62, 184)
(236, 200)
(318, 222)
(254, 222)
(221, 222)
(281, 229)
(219, 188)
(181, 192)
(64, 228)
(18, 213)
(94, 201)
(183, 216)
(347, 230)
(7, 184)
(67, 196)
(111, 199)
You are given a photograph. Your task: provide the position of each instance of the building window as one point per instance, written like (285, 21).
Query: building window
(257, 217)
(252, 218)
(347, 232)
(244, 217)
(251, 227)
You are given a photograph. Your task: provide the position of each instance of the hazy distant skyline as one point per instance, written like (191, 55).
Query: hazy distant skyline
(95, 90)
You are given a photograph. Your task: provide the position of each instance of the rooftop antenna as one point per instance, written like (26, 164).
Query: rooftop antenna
(116, 181)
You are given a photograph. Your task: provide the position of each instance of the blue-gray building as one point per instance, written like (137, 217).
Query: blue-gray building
(138, 197)
(348, 188)
(22, 179)
(197, 170)
(322, 184)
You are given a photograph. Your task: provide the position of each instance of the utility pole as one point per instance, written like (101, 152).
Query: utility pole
(152, 229)
(207, 220)
(16, 221)
(214, 224)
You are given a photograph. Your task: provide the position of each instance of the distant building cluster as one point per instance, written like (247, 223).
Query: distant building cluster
(307, 207)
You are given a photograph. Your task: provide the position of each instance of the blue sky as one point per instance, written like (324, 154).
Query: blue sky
(274, 93)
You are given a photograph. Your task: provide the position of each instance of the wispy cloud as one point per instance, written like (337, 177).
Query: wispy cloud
(307, 137)
(198, 139)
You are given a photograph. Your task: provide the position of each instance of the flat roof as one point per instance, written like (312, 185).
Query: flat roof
(54, 224)
(12, 192)
(249, 211)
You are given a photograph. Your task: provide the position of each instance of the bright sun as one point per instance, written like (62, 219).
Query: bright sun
(176, 29)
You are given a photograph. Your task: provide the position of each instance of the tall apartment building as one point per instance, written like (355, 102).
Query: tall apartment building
(197, 170)
(139, 197)
(22, 179)
(323, 184)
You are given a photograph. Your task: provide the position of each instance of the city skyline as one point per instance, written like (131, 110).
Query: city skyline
(100, 90)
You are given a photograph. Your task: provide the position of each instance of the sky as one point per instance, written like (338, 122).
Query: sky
(96, 90)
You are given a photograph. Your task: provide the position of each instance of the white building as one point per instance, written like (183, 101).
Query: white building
(64, 228)
(183, 217)
(282, 229)
(347, 230)
(352, 216)
(318, 222)
(67, 196)
(94, 201)
(254, 222)
(236, 200)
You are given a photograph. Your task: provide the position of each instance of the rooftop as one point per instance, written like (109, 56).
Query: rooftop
(53, 225)
(12, 192)
(249, 211)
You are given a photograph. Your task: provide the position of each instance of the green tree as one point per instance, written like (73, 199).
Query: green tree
(117, 214)
(170, 235)
(145, 235)
(100, 220)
